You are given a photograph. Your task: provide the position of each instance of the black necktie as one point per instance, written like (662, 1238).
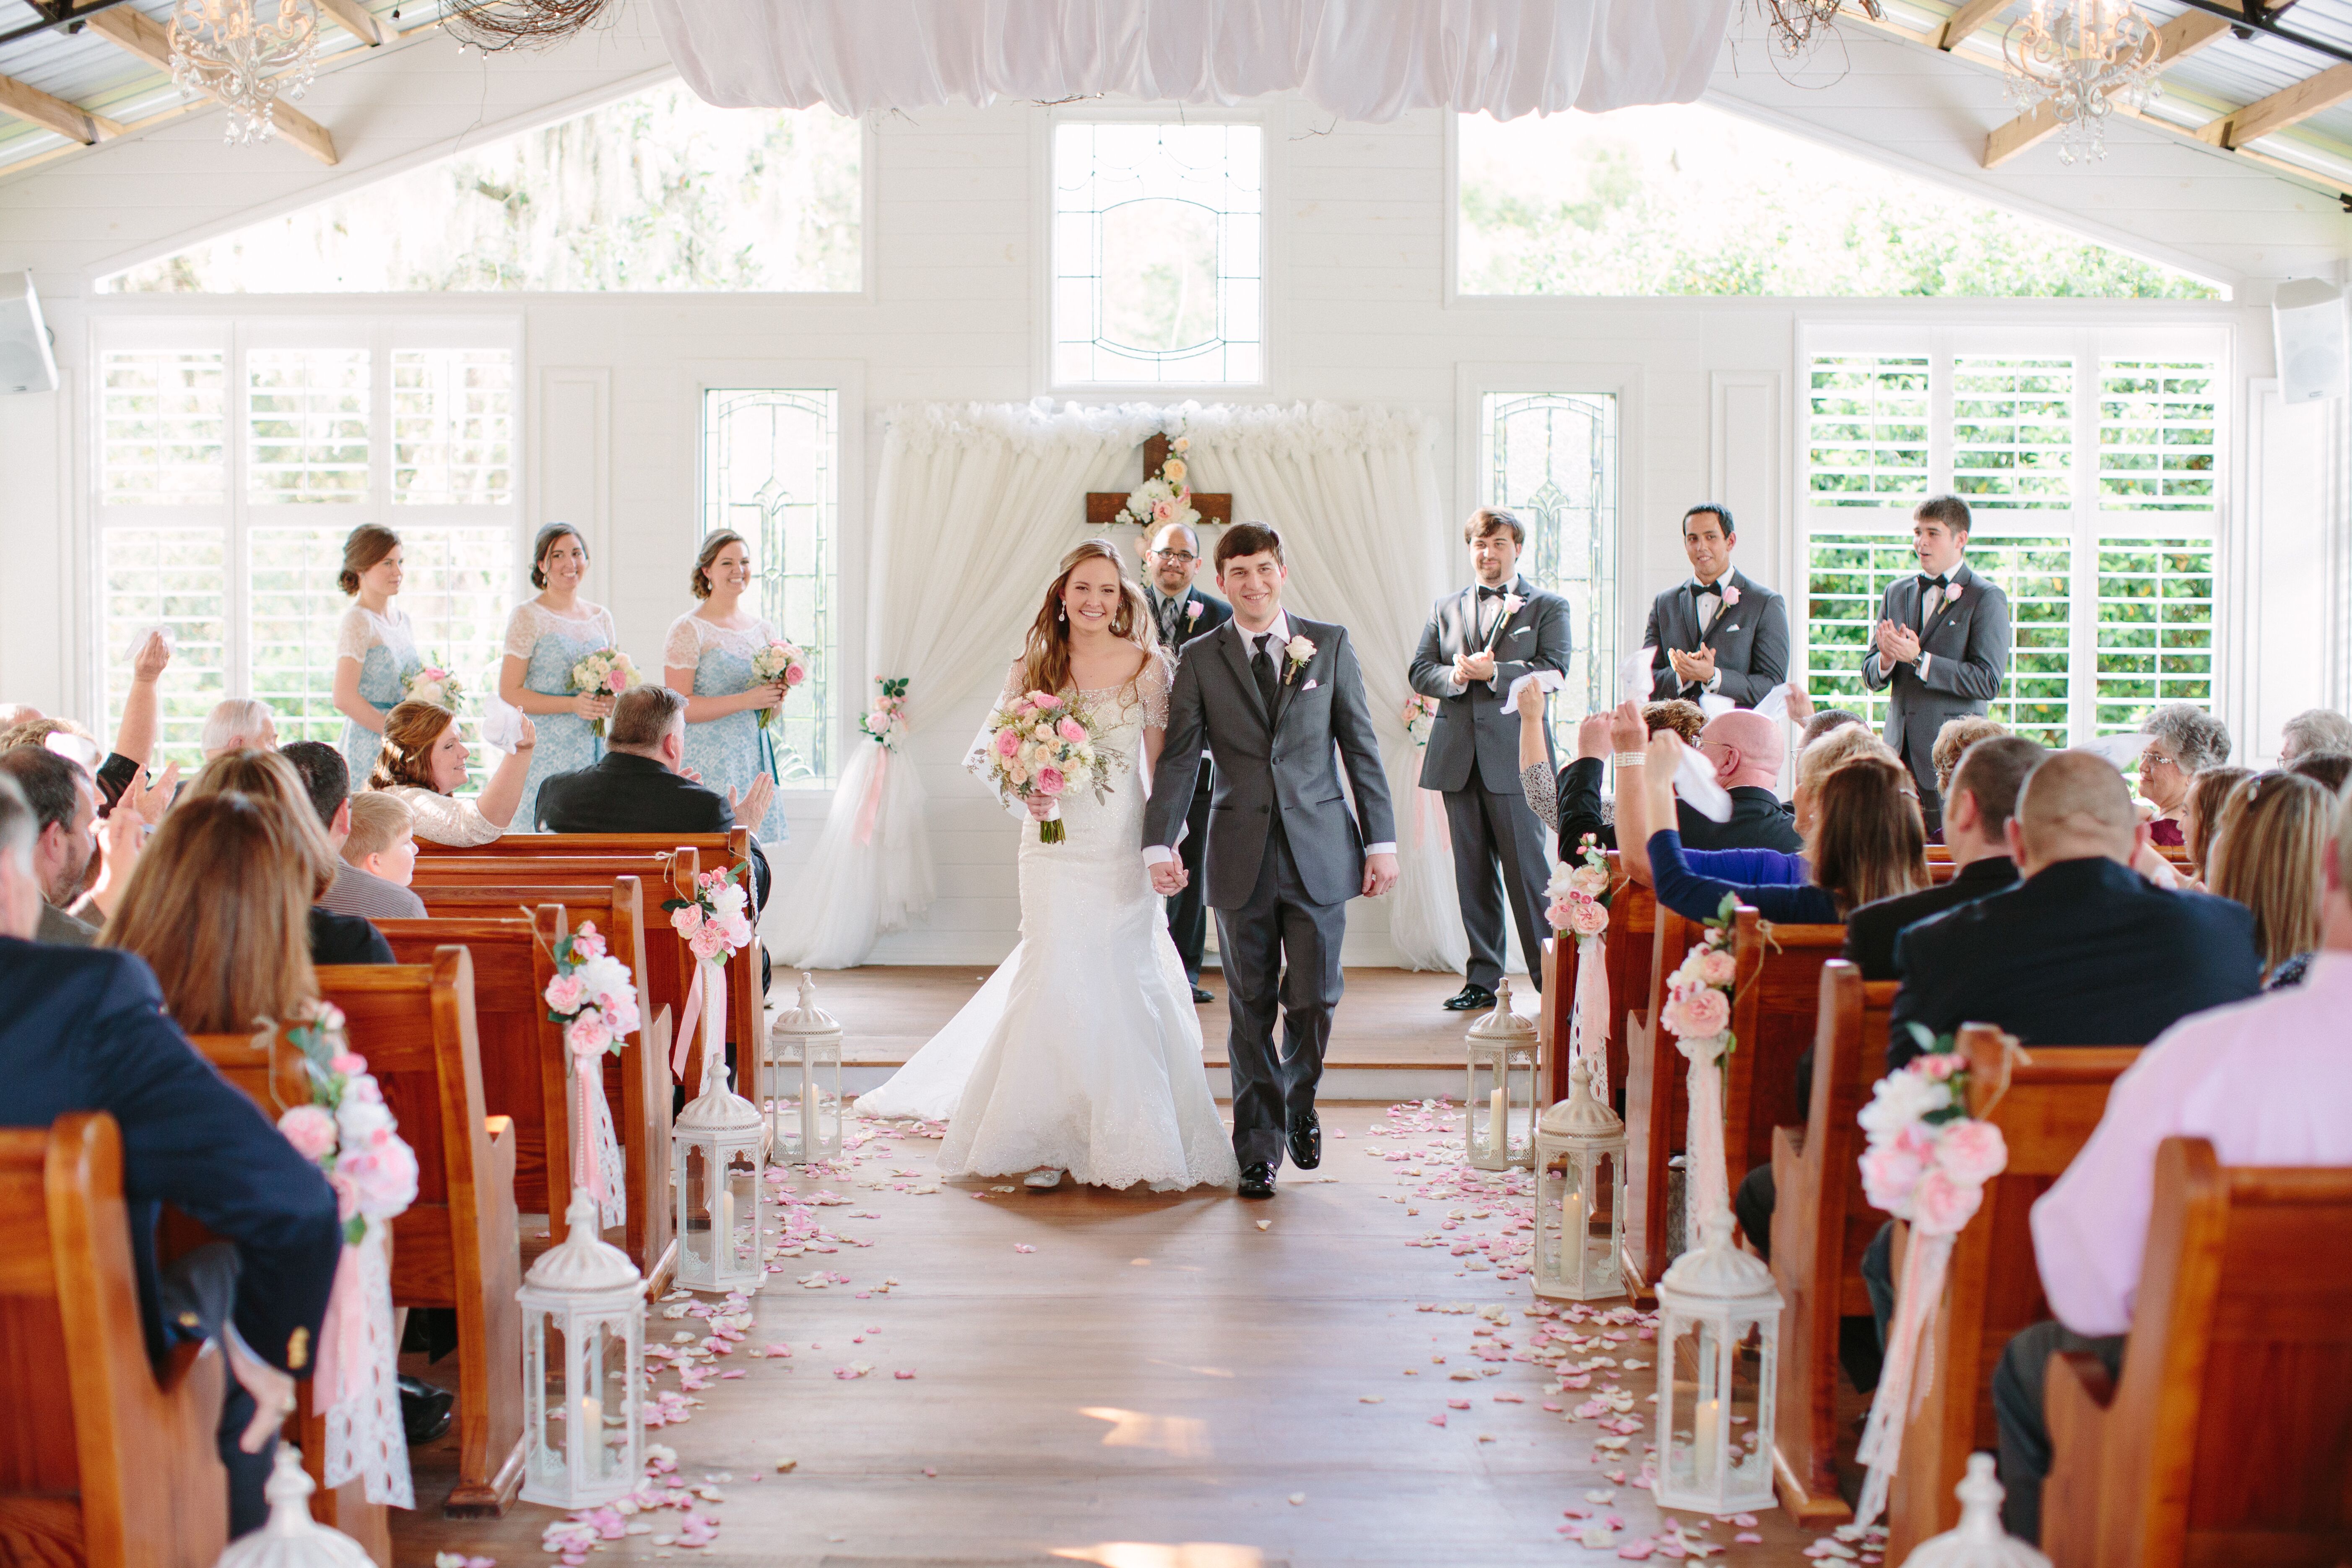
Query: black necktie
(1263, 668)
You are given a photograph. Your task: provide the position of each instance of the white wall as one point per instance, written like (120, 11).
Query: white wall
(1357, 313)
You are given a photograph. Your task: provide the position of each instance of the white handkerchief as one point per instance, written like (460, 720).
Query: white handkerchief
(139, 640)
(1713, 706)
(1694, 782)
(1541, 679)
(1310, 686)
(2122, 750)
(1774, 704)
(501, 723)
(1634, 677)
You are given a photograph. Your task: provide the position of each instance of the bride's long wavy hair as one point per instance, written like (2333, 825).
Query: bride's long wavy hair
(1045, 657)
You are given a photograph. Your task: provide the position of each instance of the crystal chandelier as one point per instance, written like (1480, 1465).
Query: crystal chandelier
(223, 50)
(2082, 58)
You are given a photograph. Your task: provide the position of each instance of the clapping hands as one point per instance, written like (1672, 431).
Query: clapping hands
(1898, 644)
(1695, 668)
(751, 808)
(1474, 667)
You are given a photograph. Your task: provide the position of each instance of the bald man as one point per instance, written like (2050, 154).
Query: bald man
(1748, 750)
(2083, 950)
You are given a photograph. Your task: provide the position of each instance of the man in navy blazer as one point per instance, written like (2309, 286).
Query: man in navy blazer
(1719, 634)
(1183, 612)
(1941, 645)
(84, 1029)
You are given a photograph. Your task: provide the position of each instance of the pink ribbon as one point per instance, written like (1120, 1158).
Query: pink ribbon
(1592, 1011)
(688, 1011)
(1917, 1299)
(873, 803)
(588, 1092)
(342, 1338)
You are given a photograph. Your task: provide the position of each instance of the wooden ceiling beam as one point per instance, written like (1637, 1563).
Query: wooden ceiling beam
(1967, 20)
(2280, 110)
(358, 21)
(28, 102)
(2177, 39)
(138, 34)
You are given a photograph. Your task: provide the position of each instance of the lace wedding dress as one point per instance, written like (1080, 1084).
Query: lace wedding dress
(1082, 1052)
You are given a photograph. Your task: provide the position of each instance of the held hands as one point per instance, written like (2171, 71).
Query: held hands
(592, 705)
(1898, 644)
(1380, 874)
(1169, 878)
(1693, 668)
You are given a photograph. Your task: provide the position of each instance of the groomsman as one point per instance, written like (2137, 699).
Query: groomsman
(1184, 613)
(1476, 644)
(1719, 634)
(1942, 643)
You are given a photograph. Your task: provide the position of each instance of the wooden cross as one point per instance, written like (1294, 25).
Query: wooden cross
(1103, 507)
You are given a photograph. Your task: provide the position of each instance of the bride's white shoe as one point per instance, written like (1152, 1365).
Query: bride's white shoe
(1043, 1181)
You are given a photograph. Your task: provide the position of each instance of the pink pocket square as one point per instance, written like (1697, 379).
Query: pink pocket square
(1310, 686)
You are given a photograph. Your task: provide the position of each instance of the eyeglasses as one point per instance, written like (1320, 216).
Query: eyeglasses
(1175, 557)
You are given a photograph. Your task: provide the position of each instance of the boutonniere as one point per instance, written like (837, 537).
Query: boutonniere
(1298, 651)
(1951, 594)
(1730, 596)
(1512, 603)
(1192, 611)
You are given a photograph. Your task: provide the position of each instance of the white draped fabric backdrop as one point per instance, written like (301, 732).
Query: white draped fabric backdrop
(976, 505)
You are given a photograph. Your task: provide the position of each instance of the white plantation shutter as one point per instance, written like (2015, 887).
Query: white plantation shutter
(178, 579)
(1867, 431)
(2013, 432)
(2157, 436)
(308, 425)
(453, 426)
(162, 426)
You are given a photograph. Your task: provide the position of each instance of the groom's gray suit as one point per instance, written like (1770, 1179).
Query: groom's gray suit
(1285, 853)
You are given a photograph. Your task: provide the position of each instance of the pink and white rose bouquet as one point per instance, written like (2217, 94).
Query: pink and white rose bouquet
(717, 921)
(1698, 992)
(1041, 744)
(1420, 713)
(1927, 1159)
(347, 1131)
(1579, 894)
(592, 996)
(431, 683)
(778, 664)
(1165, 498)
(606, 673)
(887, 720)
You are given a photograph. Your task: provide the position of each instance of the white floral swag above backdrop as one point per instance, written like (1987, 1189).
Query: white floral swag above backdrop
(977, 503)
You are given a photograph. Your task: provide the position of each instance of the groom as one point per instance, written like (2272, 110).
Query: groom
(1272, 698)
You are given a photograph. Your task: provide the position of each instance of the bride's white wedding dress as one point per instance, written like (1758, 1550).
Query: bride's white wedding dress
(1083, 1051)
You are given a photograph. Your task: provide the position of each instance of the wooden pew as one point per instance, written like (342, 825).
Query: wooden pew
(2046, 1107)
(745, 1007)
(637, 1082)
(1775, 1014)
(2229, 1438)
(99, 1464)
(1821, 1224)
(1657, 1110)
(456, 1245)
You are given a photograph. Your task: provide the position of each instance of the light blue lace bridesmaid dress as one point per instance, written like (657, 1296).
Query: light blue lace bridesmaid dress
(554, 644)
(385, 650)
(728, 752)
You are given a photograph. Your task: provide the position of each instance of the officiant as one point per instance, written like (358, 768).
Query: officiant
(1172, 559)
(1477, 644)
(1717, 633)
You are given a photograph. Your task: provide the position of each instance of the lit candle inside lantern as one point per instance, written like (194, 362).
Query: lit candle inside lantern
(727, 1216)
(591, 1420)
(1708, 1412)
(1498, 1122)
(1571, 1232)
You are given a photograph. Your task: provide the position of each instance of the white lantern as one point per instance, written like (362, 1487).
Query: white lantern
(584, 1369)
(802, 1082)
(1579, 1166)
(1718, 1346)
(1498, 1111)
(1977, 1541)
(292, 1538)
(717, 1148)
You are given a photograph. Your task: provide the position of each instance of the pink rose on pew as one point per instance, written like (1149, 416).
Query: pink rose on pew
(1889, 1173)
(1717, 967)
(688, 920)
(587, 942)
(348, 1063)
(311, 1129)
(565, 993)
(379, 1182)
(1940, 1205)
(1972, 1153)
(1697, 1015)
(588, 1034)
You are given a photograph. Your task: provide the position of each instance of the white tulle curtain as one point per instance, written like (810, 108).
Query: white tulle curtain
(975, 506)
(1361, 59)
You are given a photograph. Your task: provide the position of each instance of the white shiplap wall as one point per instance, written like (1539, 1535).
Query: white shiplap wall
(1358, 312)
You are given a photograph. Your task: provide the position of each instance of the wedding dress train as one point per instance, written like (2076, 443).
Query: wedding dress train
(1083, 1051)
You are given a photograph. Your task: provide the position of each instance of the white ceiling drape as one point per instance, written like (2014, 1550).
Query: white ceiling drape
(1360, 59)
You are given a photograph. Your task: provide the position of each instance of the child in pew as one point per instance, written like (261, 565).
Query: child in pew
(379, 861)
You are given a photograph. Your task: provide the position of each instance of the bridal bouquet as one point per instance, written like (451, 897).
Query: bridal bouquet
(431, 683)
(1419, 713)
(1040, 745)
(607, 672)
(1166, 497)
(778, 664)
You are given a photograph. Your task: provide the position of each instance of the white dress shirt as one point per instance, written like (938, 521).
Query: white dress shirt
(1155, 854)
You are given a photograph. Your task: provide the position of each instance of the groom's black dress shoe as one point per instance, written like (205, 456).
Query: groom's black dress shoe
(1257, 1180)
(1305, 1141)
(1470, 997)
(424, 1410)
(1202, 995)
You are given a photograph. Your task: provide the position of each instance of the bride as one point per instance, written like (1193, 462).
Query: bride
(1082, 1052)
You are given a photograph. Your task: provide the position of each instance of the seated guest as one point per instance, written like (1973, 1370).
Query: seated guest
(1826, 721)
(86, 1031)
(379, 862)
(636, 787)
(1979, 797)
(273, 783)
(2268, 852)
(1758, 868)
(237, 724)
(2207, 792)
(2314, 730)
(1953, 741)
(65, 845)
(1745, 749)
(2266, 1081)
(1867, 843)
(2328, 770)
(326, 780)
(2183, 741)
(2083, 950)
(422, 763)
(134, 737)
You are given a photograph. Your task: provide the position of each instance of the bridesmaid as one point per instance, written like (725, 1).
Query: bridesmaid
(545, 637)
(375, 649)
(707, 659)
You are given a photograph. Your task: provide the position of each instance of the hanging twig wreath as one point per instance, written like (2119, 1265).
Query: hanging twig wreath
(492, 26)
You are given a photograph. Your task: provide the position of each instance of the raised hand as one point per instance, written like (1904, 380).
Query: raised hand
(153, 653)
(1627, 732)
(149, 802)
(752, 809)
(527, 736)
(1800, 703)
(1592, 737)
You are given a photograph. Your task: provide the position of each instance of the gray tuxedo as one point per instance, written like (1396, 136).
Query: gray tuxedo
(1285, 853)
(1750, 639)
(1967, 648)
(1473, 756)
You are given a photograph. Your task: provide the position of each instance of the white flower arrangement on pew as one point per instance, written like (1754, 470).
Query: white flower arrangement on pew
(594, 997)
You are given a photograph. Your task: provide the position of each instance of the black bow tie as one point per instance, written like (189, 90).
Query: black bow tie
(1927, 582)
(1487, 593)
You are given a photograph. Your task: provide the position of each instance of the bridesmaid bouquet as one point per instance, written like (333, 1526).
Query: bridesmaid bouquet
(607, 672)
(431, 683)
(1038, 746)
(778, 664)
